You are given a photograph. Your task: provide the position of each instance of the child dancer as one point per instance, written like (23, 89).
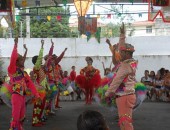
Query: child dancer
(19, 81)
(41, 83)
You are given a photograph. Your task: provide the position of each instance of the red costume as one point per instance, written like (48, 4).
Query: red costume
(89, 79)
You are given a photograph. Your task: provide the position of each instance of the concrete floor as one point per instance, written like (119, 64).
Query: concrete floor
(150, 116)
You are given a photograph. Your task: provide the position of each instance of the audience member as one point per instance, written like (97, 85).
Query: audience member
(91, 120)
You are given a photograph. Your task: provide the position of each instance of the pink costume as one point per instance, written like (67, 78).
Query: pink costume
(19, 81)
(123, 86)
(123, 83)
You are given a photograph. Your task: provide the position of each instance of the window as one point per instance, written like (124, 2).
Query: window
(148, 29)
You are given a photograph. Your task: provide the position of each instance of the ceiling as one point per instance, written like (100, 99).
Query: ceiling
(31, 3)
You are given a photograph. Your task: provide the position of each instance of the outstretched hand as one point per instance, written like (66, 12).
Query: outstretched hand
(122, 29)
(52, 42)
(16, 41)
(42, 43)
(25, 47)
(65, 49)
(108, 42)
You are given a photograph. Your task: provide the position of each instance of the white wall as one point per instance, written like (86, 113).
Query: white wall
(151, 52)
(141, 31)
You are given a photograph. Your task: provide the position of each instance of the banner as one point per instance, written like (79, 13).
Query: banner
(5, 5)
(88, 26)
(91, 25)
(159, 9)
(160, 2)
(81, 25)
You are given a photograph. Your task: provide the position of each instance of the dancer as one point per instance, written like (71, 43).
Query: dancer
(89, 79)
(6, 88)
(53, 77)
(19, 81)
(123, 84)
(40, 81)
(58, 75)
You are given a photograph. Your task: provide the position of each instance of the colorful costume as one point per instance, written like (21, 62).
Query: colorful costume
(19, 81)
(58, 77)
(41, 83)
(51, 80)
(123, 84)
(89, 79)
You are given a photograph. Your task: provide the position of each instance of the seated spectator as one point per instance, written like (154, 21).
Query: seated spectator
(162, 73)
(166, 83)
(152, 77)
(146, 80)
(158, 85)
(91, 120)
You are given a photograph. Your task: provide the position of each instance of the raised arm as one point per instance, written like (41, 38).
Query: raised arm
(58, 59)
(113, 48)
(104, 68)
(13, 60)
(25, 54)
(110, 66)
(40, 57)
(48, 62)
(51, 49)
(110, 46)
(122, 36)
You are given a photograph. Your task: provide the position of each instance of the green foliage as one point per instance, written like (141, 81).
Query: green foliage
(112, 29)
(1, 32)
(41, 27)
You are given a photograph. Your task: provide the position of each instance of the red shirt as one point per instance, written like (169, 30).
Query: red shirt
(72, 75)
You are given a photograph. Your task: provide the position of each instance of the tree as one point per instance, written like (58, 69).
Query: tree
(42, 27)
(112, 29)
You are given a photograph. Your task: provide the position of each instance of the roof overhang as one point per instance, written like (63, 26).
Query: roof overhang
(31, 3)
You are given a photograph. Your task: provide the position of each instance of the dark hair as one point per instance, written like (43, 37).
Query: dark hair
(91, 120)
(146, 71)
(152, 72)
(54, 55)
(162, 71)
(89, 59)
(34, 59)
(166, 71)
(130, 53)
